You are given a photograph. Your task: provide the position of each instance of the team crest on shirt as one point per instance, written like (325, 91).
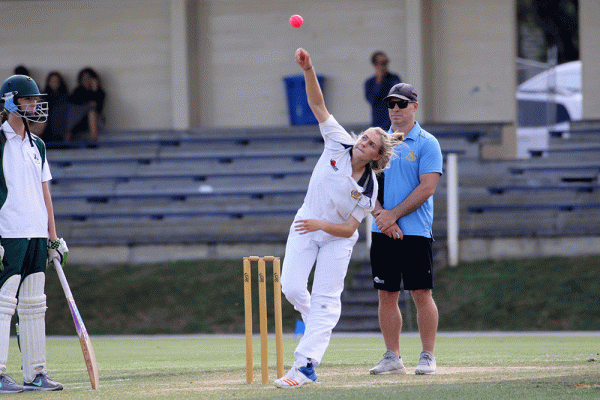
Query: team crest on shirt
(36, 159)
(411, 156)
(355, 194)
(332, 163)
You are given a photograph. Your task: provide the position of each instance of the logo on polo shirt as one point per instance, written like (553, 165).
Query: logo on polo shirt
(411, 156)
(36, 159)
(332, 163)
(355, 194)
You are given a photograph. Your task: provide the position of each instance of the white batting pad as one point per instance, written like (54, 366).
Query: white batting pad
(8, 304)
(32, 326)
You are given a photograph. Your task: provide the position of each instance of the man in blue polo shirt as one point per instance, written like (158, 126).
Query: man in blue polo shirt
(401, 249)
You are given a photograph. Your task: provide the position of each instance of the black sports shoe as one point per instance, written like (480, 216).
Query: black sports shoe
(42, 382)
(8, 385)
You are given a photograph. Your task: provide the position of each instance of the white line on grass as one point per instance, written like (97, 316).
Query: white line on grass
(341, 335)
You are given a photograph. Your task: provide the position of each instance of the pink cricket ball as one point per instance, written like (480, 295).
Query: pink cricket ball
(296, 21)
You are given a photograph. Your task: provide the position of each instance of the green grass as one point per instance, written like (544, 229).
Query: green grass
(516, 367)
(540, 294)
(207, 297)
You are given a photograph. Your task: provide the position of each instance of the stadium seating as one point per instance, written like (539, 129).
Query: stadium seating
(555, 194)
(246, 184)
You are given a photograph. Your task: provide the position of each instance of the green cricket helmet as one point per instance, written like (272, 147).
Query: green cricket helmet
(19, 86)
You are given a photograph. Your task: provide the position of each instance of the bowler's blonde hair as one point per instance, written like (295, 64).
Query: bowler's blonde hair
(388, 142)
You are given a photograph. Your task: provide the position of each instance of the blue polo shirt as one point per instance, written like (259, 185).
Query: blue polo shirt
(419, 154)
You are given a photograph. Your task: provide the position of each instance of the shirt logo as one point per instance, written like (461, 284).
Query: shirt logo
(332, 163)
(355, 194)
(36, 159)
(411, 156)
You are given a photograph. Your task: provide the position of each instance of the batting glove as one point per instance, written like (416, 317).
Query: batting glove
(1, 258)
(58, 249)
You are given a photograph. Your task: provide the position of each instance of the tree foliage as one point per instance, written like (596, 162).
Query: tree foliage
(559, 22)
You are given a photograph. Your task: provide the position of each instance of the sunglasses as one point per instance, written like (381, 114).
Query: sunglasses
(400, 103)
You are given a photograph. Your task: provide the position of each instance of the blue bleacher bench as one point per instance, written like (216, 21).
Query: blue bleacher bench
(548, 168)
(531, 207)
(158, 215)
(583, 149)
(179, 196)
(524, 188)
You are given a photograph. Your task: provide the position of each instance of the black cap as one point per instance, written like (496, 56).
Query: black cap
(404, 91)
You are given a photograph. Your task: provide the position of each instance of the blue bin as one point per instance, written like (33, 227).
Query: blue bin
(300, 112)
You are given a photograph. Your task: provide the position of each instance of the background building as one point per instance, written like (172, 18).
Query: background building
(220, 63)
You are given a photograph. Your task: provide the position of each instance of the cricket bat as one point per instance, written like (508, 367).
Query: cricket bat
(86, 345)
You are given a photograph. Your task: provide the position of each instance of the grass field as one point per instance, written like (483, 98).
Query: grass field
(206, 296)
(206, 367)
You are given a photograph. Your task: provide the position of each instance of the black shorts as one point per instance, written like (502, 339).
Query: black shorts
(407, 261)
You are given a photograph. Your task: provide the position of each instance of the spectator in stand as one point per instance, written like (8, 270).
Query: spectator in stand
(57, 95)
(22, 70)
(377, 88)
(89, 93)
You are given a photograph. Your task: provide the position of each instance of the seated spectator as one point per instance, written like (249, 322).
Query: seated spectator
(57, 96)
(88, 94)
(22, 70)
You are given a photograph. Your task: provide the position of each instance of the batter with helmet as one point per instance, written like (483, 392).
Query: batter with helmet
(28, 239)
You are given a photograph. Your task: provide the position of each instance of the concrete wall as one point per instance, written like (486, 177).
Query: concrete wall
(127, 42)
(220, 63)
(473, 52)
(251, 48)
(589, 38)
(470, 250)
(471, 66)
(237, 53)
(215, 63)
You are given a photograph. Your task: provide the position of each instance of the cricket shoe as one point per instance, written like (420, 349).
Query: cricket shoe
(8, 385)
(426, 364)
(297, 376)
(389, 364)
(42, 382)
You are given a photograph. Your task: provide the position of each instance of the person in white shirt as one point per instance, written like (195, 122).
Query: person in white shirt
(341, 192)
(28, 237)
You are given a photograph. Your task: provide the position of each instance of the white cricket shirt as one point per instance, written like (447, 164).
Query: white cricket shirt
(333, 195)
(24, 214)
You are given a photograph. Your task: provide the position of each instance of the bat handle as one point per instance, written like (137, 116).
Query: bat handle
(62, 278)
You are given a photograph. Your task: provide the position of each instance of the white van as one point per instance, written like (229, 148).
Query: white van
(547, 102)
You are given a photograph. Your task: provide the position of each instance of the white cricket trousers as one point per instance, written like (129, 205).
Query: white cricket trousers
(320, 308)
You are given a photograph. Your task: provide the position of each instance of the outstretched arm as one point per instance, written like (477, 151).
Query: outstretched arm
(313, 90)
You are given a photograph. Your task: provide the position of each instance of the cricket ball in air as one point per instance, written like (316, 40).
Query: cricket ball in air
(296, 21)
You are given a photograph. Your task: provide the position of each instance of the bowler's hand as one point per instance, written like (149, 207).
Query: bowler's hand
(308, 225)
(303, 59)
(384, 219)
